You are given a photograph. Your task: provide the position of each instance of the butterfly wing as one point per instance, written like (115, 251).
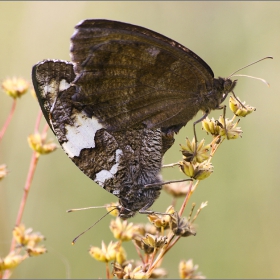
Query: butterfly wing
(116, 160)
(128, 75)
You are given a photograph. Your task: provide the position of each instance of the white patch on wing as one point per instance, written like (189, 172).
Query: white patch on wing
(63, 85)
(51, 88)
(81, 134)
(104, 175)
(153, 51)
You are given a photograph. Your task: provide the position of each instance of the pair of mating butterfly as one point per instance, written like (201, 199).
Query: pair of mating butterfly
(115, 108)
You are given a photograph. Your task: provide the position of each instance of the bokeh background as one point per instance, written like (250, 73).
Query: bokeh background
(239, 231)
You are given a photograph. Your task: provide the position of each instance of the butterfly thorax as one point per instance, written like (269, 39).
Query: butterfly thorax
(213, 98)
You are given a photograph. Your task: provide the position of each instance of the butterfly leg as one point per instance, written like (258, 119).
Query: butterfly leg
(224, 108)
(194, 131)
(145, 211)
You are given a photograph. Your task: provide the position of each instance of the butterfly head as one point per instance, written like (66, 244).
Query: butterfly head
(125, 213)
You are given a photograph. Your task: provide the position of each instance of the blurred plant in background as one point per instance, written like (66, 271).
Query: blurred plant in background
(152, 241)
(25, 242)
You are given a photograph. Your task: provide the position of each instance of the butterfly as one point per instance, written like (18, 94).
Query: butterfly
(116, 106)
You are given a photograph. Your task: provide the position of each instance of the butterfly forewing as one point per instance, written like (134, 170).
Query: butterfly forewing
(130, 75)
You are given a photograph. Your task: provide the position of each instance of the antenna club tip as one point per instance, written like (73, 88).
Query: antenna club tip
(68, 211)
(73, 243)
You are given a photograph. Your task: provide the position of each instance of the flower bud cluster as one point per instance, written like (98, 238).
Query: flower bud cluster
(28, 241)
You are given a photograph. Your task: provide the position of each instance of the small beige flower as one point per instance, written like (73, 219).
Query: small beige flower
(154, 241)
(123, 230)
(197, 171)
(38, 144)
(177, 189)
(187, 270)
(196, 152)
(15, 87)
(11, 261)
(107, 253)
(36, 251)
(161, 221)
(238, 109)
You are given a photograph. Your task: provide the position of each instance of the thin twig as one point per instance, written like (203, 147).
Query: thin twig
(108, 274)
(6, 124)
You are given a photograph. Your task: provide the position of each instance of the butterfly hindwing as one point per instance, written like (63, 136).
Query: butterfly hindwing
(112, 159)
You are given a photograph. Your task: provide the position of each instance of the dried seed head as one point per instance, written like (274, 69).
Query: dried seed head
(230, 131)
(26, 237)
(211, 126)
(38, 144)
(136, 273)
(11, 261)
(154, 241)
(238, 109)
(180, 226)
(15, 87)
(187, 270)
(158, 273)
(161, 221)
(146, 248)
(123, 230)
(106, 253)
(177, 189)
(195, 153)
(118, 270)
(197, 171)
(36, 251)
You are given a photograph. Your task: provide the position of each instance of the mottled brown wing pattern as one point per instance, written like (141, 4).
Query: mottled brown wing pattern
(115, 160)
(129, 75)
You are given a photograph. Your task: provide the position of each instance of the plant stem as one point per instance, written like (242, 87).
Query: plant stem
(108, 275)
(6, 124)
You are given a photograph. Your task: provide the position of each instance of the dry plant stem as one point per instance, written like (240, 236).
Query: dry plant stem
(215, 147)
(138, 252)
(152, 257)
(6, 124)
(32, 167)
(108, 274)
(31, 171)
(38, 120)
(187, 197)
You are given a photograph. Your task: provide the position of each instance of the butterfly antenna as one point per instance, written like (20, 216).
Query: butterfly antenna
(86, 208)
(268, 57)
(75, 239)
(256, 78)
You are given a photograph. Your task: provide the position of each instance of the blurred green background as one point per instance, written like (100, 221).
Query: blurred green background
(239, 230)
